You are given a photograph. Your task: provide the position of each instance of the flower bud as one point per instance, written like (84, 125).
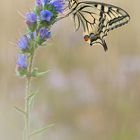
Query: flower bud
(23, 43)
(44, 34)
(58, 5)
(22, 61)
(31, 21)
(38, 3)
(46, 15)
(38, 6)
(22, 65)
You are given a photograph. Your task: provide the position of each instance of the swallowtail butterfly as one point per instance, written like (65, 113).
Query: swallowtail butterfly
(97, 19)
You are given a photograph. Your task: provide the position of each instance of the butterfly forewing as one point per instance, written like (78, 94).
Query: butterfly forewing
(89, 17)
(77, 21)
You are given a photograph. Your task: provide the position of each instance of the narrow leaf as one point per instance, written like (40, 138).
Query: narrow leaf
(19, 110)
(31, 98)
(36, 73)
(41, 130)
(39, 74)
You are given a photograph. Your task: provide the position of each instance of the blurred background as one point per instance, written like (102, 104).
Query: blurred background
(88, 95)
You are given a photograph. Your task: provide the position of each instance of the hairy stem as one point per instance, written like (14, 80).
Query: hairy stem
(27, 94)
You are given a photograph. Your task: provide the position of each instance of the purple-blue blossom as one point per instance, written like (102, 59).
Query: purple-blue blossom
(58, 5)
(38, 3)
(22, 61)
(46, 15)
(31, 18)
(44, 33)
(41, 2)
(39, 22)
(23, 43)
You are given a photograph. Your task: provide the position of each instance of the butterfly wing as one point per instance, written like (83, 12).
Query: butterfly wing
(98, 19)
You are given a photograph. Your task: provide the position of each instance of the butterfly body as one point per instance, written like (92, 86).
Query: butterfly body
(97, 19)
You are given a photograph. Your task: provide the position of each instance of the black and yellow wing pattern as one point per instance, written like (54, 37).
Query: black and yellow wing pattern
(97, 19)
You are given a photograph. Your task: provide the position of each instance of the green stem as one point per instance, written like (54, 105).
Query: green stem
(27, 107)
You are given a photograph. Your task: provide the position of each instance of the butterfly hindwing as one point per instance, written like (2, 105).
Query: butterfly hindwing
(97, 19)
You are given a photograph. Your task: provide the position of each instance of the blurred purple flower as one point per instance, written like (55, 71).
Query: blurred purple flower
(23, 43)
(38, 3)
(41, 2)
(44, 33)
(31, 18)
(46, 15)
(58, 5)
(22, 61)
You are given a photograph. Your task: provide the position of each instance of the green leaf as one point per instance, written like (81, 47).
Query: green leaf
(19, 110)
(36, 73)
(39, 74)
(39, 131)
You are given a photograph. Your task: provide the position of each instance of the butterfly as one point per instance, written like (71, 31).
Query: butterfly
(97, 19)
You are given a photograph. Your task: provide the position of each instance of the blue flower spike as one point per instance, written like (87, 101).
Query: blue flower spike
(39, 22)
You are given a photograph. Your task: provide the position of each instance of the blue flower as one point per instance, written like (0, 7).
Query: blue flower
(44, 34)
(31, 18)
(38, 3)
(58, 5)
(23, 43)
(22, 61)
(46, 15)
(38, 6)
